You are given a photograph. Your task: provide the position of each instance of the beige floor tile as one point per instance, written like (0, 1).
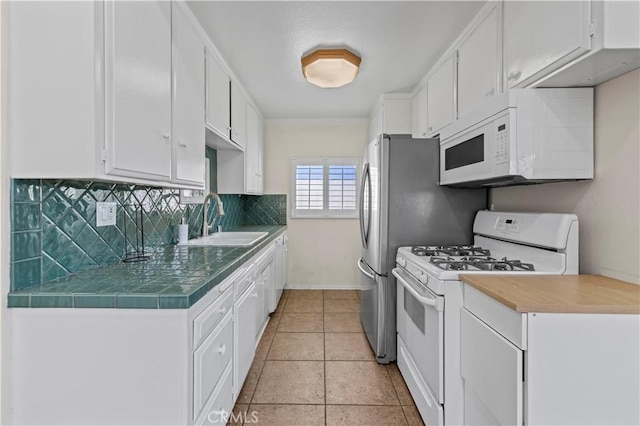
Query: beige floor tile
(263, 346)
(341, 305)
(303, 305)
(272, 326)
(303, 323)
(365, 415)
(347, 347)
(297, 347)
(277, 415)
(249, 386)
(412, 415)
(342, 323)
(281, 304)
(358, 383)
(400, 386)
(238, 414)
(341, 294)
(306, 294)
(291, 382)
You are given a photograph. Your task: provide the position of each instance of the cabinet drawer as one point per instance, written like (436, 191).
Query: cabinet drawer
(208, 319)
(509, 323)
(244, 283)
(210, 361)
(219, 407)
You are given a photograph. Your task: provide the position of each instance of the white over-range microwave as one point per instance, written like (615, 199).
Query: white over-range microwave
(523, 136)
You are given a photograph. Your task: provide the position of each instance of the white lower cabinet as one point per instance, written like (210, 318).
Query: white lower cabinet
(140, 366)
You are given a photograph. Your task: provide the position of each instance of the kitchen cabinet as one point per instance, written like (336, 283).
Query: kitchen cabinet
(549, 367)
(540, 37)
(188, 101)
(480, 63)
(419, 120)
(244, 334)
(218, 97)
(280, 271)
(391, 115)
(254, 152)
(110, 119)
(441, 105)
(238, 115)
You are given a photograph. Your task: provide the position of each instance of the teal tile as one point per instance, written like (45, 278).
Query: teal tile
(18, 301)
(25, 245)
(136, 301)
(94, 301)
(174, 302)
(26, 191)
(25, 273)
(51, 300)
(73, 258)
(51, 270)
(26, 217)
(55, 243)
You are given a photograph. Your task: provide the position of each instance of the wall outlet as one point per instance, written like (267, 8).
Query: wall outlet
(105, 214)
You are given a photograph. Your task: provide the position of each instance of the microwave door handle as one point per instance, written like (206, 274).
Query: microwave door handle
(366, 273)
(422, 299)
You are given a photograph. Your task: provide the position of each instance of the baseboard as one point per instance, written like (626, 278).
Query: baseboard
(291, 286)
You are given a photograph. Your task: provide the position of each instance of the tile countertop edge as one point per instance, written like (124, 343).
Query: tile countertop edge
(559, 293)
(135, 299)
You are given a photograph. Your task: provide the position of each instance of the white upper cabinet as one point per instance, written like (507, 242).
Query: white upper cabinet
(480, 64)
(540, 37)
(419, 121)
(188, 101)
(391, 115)
(238, 116)
(441, 96)
(138, 89)
(253, 152)
(218, 99)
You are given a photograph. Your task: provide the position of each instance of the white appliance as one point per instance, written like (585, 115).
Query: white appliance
(430, 297)
(523, 136)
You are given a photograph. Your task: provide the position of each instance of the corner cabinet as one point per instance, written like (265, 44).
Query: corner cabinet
(218, 97)
(441, 105)
(111, 118)
(391, 115)
(419, 119)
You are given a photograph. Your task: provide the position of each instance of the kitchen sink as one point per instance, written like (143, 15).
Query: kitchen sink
(229, 239)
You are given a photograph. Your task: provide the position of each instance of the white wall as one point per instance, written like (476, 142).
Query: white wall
(609, 206)
(322, 252)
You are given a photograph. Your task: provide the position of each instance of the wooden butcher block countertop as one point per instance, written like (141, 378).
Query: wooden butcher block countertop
(559, 293)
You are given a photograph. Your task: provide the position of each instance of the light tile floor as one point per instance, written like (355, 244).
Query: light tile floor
(314, 366)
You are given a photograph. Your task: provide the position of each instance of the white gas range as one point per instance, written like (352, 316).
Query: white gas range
(430, 296)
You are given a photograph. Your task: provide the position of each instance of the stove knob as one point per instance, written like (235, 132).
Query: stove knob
(423, 278)
(401, 261)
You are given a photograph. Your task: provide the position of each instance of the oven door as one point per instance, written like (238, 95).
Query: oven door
(420, 324)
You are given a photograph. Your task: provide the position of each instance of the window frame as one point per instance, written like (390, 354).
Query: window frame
(325, 212)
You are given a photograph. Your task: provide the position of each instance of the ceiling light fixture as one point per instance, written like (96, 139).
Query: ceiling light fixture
(330, 68)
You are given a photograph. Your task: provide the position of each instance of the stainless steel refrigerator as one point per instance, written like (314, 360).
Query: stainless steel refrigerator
(401, 204)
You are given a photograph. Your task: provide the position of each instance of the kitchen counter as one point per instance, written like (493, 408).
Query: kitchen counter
(175, 277)
(559, 293)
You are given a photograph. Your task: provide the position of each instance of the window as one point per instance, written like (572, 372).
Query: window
(324, 187)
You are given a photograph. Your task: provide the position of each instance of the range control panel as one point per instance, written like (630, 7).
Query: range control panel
(508, 225)
(502, 144)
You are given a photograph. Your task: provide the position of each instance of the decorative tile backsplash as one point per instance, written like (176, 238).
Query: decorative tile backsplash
(54, 232)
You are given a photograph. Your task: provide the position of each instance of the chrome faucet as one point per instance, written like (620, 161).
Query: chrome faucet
(205, 225)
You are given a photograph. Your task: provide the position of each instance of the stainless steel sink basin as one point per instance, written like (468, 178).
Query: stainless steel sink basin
(229, 239)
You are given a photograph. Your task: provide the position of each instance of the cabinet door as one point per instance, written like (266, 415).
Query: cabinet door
(253, 152)
(218, 100)
(244, 334)
(479, 64)
(261, 314)
(440, 96)
(419, 124)
(188, 101)
(238, 116)
(138, 89)
(539, 37)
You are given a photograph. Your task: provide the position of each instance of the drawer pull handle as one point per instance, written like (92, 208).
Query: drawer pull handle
(254, 295)
(222, 349)
(222, 311)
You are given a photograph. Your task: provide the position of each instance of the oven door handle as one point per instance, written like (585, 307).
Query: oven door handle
(435, 302)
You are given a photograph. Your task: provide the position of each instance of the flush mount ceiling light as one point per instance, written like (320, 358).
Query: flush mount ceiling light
(329, 68)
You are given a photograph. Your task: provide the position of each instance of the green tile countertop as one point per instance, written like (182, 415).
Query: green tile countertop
(175, 277)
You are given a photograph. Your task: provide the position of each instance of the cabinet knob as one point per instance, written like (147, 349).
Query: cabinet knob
(222, 311)
(490, 93)
(430, 128)
(222, 349)
(255, 295)
(166, 136)
(182, 144)
(514, 75)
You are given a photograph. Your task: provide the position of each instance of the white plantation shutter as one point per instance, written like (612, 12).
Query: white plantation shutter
(324, 187)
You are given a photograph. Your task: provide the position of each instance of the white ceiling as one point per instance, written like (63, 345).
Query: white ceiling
(263, 41)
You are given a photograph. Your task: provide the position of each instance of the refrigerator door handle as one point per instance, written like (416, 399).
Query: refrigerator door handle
(367, 274)
(364, 228)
